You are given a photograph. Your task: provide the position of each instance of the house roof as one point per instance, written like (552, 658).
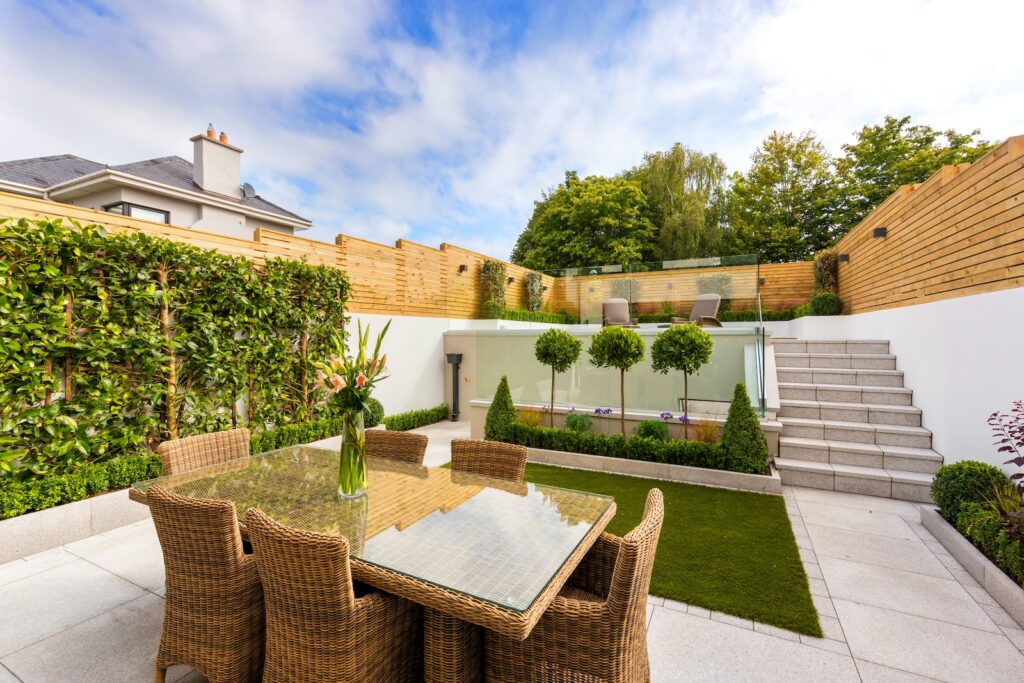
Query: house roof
(45, 172)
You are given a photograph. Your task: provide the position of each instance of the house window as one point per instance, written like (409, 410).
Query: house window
(135, 211)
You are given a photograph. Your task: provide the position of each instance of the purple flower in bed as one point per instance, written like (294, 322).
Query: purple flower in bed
(684, 419)
(666, 416)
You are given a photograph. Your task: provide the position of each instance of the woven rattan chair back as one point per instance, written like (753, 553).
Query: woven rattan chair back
(489, 458)
(402, 446)
(192, 452)
(213, 610)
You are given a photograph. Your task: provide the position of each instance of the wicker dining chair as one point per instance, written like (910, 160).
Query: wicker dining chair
(489, 458)
(213, 607)
(192, 452)
(595, 629)
(403, 446)
(318, 629)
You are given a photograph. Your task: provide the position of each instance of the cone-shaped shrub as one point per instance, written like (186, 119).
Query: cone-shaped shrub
(742, 439)
(501, 415)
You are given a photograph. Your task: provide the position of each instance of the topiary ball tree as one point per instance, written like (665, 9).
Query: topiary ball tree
(620, 348)
(964, 481)
(559, 350)
(684, 348)
(501, 415)
(746, 449)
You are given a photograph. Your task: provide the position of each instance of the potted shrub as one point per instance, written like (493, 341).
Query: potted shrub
(684, 348)
(559, 350)
(620, 348)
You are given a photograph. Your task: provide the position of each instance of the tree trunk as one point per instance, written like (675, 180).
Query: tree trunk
(303, 353)
(686, 406)
(170, 402)
(69, 306)
(552, 395)
(622, 402)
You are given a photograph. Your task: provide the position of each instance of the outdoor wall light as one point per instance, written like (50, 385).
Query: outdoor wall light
(463, 268)
(668, 286)
(845, 258)
(760, 281)
(544, 288)
(511, 280)
(879, 232)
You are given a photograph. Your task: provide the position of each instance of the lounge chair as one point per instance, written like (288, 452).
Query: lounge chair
(705, 310)
(616, 312)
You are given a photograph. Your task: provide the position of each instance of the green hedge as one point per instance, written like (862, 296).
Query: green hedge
(293, 435)
(416, 418)
(20, 497)
(983, 527)
(961, 482)
(561, 318)
(731, 316)
(673, 452)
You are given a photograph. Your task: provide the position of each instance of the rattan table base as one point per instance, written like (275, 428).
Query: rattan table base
(452, 649)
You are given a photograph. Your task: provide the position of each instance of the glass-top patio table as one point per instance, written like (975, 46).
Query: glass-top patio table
(473, 550)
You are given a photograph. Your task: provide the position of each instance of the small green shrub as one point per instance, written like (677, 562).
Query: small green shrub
(826, 271)
(501, 415)
(652, 429)
(403, 422)
(21, 497)
(966, 481)
(983, 527)
(578, 422)
(745, 447)
(826, 303)
(373, 414)
(802, 310)
(560, 318)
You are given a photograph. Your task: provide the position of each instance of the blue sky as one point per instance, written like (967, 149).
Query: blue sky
(445, 121)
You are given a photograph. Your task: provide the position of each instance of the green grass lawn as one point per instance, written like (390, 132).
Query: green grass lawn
(729, 551)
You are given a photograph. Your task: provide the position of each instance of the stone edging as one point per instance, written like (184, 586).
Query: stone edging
(758, 483)
(38, 531)
(1001, 587)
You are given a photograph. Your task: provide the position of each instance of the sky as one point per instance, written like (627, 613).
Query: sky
(444, 122)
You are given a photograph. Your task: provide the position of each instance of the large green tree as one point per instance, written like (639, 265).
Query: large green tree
(893, 153)
(679, 185)
(780, 208)
(593, 221)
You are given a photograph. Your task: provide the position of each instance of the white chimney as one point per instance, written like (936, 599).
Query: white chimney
(216, 165)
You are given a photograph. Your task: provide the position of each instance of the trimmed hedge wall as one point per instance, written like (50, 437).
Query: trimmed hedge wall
(673, 452)
(20, 497)
(416, 418)
(293, 435)
(540, 317)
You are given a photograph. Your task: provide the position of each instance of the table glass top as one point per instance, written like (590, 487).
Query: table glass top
(492, 539)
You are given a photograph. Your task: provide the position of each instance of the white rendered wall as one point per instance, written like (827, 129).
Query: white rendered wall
(963, 358)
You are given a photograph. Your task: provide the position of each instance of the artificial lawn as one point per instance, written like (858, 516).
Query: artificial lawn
(729, 551)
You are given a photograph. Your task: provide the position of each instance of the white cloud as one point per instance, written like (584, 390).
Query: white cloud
(346, 121)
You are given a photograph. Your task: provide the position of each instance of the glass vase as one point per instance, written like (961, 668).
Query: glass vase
(352, 460)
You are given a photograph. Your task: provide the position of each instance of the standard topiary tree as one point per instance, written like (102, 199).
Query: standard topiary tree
(501, 415)
(964, 481)
(559, 350)
(373, 414)
(684, 348)
(621, 348)
(742, 439)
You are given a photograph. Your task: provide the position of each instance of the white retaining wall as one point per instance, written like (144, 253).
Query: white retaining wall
(963, 358)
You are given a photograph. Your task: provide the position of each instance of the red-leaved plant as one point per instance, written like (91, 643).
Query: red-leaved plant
(1008, 429)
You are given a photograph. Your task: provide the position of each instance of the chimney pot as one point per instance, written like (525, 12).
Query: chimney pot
(224, 137)
(210, 132)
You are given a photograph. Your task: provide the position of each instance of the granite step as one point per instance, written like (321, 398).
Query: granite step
(844, 393)
(886, 483)
(847, 377)
(922, 460)
(855, 346)
(856, 432)
(850, 412)
(842, 361)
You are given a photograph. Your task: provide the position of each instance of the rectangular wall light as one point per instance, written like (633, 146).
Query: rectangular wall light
(879, 232)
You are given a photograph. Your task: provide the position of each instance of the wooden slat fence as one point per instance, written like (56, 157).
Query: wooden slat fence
(960, 232)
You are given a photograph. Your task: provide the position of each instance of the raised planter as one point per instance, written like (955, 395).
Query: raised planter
(38, 531)
(1001, 587)
(758, 483)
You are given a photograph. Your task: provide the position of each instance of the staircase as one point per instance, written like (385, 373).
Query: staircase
(848, 423)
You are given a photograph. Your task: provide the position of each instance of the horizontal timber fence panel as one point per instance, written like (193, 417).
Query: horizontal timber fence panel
(961, 232)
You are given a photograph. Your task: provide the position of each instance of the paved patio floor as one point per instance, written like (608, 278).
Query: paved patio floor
(894, 607)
